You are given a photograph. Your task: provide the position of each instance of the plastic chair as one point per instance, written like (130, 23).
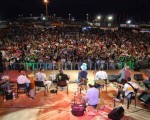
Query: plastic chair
(40, 84)
(131, 96)
(61, 83)
(22, 87)
(83, 84)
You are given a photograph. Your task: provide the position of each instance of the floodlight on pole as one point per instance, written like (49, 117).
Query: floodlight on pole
(69, 16)
(46, 7)
(99, 17)
(87, 17)
(128, 22)
(54, 16)
(110, 17)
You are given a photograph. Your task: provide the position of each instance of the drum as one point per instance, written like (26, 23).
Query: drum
(77, 109)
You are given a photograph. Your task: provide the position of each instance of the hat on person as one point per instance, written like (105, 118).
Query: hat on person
(84, 66)
(91, 82)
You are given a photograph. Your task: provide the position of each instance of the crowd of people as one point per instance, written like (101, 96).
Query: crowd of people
(25, 44)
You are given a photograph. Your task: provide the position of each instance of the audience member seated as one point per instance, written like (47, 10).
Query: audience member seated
(41, 76)
(125, 89)
(82, 74)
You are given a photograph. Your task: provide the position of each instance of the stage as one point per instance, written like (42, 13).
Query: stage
(56, 107)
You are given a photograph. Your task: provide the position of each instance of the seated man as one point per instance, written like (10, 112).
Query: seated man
(41, 76)
(127, 88)
(62, 76)
(92, 96)
(101, 77)
(82, 74)
(22, 78)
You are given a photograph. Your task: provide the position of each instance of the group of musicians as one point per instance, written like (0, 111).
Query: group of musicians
(92, 95)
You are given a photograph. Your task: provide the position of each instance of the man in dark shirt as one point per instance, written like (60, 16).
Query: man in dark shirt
(62, 77)
(83, 73)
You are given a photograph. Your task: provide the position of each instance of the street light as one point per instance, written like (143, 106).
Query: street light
(69, 16)
(54, 16)
(87, 17)
(110, 18)
(46, 7)
(99, 18)
(128, 22)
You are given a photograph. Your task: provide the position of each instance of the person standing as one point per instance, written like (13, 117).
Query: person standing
(41, 76)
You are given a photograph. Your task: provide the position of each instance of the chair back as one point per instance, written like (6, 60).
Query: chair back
(39, 83)
(83, 81)
(22, 86)
(131, 95)
(62, 83)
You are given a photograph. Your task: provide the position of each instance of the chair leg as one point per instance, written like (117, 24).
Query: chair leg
(17, 92)
(128, 103)
(45, 91)
(56, 90)
(67, 90)
(106, 87)
(80, 89)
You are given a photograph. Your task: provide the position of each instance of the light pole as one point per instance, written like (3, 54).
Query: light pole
(110, 18)
(99, 18)
(46, 7)
(54, 17)
(128, 22)
(87, 17)
(69, 16)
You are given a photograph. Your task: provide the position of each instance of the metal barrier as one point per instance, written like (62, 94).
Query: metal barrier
(69, 66)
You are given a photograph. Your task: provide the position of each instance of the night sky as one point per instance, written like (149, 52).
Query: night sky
(77, 8)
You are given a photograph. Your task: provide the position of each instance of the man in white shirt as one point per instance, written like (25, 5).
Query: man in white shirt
(22, 78)
(101, 75)
(127, 88)
(40, 76)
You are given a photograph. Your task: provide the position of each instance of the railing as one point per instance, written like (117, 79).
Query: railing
(72, 66)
